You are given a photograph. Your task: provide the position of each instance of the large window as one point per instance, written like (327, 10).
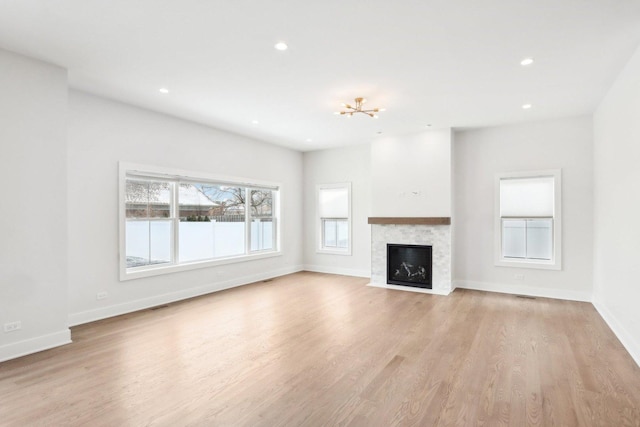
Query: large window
(334, 218)
(171, 221)
(528, 222)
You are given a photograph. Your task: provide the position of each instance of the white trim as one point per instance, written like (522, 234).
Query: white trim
(527, 263)
(626, 338)
(144, 303)
(318, 221)
(35, 345)
(533, 291)
(147, 170)
(125, 169)
(337, 270)
(410, 289)
(333, 251)
(556, 261)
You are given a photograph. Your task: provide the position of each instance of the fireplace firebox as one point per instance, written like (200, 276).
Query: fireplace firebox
(409, 265)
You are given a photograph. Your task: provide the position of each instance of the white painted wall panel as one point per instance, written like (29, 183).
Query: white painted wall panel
(33, 210)
(565, 144)
(340, 165)
(617, 206)
(102, 133)
(411, 176)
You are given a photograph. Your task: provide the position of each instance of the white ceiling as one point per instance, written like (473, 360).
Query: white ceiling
(448, 63)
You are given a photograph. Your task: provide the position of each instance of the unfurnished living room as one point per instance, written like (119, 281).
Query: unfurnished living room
(296, 213)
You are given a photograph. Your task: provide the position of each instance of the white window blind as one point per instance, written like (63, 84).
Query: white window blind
(334, 202)
(333, 229)
(527, 197)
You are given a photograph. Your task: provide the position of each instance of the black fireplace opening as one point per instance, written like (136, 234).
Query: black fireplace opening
(409, 265)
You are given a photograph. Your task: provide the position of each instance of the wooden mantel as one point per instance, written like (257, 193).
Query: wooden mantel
(423, 220)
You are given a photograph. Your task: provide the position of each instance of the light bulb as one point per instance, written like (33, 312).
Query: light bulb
(281, 46)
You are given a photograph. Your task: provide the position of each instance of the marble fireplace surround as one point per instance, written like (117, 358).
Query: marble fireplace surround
(433, 231)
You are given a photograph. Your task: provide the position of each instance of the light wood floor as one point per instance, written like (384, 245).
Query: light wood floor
(312, 349)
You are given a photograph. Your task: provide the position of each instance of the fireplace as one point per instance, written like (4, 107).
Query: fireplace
(438, 236)
(409, 265)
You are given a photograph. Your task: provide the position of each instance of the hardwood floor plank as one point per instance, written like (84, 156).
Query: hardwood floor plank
(312, 349)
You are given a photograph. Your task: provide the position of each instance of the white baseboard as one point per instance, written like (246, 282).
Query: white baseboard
(34, 345)
(409, 289)
(532, 291)
(141, 304)
(337, 270)
(627, 339)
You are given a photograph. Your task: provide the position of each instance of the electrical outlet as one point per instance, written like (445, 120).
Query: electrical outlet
(101, 295)
(12, 326)
(519, 276)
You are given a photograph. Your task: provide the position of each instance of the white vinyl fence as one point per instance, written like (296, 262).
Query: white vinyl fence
(149, 242)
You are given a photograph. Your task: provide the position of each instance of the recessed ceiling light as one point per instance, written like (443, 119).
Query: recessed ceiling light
(163, 90)
(526, 61)
(428, 126)
(254, 122)
(526, 106)
(379, 132)
(309, 140)
(281, 46)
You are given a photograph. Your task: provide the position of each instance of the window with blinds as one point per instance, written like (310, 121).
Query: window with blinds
(528, 218)
(334, 218)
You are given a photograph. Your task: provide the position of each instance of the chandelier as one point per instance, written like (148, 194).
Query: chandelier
(351, 110)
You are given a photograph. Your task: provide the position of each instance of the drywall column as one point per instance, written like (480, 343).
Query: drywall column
(33, 211)
(411, 176)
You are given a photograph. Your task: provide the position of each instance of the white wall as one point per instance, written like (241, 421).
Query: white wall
(349, 164)
(33, 234)
(565, 144)
(617, 207)
(411, 176)
(102, 133)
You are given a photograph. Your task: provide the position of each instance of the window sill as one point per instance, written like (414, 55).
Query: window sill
(535, 264)
(174, 268)
(334, 251)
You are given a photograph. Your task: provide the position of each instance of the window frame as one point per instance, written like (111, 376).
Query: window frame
(249, 218)
(172, 218)
(127, 170)
(324, 228)
(320, 248)
(555, 263)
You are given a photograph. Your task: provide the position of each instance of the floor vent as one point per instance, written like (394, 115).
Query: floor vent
(525, 296)
(159, 307)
